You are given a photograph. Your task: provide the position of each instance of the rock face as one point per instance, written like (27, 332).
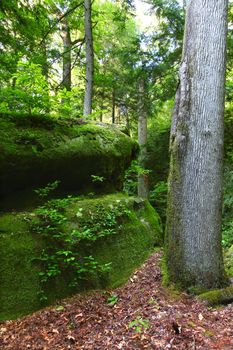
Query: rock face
(112, 229)
(37, 150)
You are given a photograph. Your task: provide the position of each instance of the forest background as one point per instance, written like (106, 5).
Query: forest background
(43, 61)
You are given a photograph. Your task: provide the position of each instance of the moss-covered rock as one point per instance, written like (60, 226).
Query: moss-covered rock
(124, 230)
(19, 278)
(37, 150)
(217, 296)
(228, 261)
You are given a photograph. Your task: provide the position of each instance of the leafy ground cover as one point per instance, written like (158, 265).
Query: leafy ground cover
(139, 315)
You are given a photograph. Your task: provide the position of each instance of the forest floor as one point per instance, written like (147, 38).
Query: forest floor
(139, 315)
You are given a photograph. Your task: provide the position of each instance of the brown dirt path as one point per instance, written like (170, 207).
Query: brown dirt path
(89, 323)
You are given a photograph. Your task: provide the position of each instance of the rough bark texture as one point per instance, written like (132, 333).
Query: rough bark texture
(89, 59)
(67, 45)
(194, 255)
(143, 188)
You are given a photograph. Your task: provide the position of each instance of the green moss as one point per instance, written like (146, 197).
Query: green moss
(163, 266)
(126, 230)
(228, 261)
(136, 232)
(18, 274)
(217, 296)
(43, 150)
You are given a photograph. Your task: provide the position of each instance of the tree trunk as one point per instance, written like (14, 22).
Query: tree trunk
(127, 123)
(102, 95)
(113, 106)
(193, 237)
(44, 65)
(45, 71)
(67, 45)
(143, 188)
(89, 59)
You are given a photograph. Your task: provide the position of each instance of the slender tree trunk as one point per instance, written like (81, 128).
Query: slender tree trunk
(45, 67)
(127, 123)
(113, 106)
(45, 71)
(13, 82)
(67, 45)
(101, 113)
(102, 104)
(118, 115)
(89, 59)
(193, 237)
(143, 188)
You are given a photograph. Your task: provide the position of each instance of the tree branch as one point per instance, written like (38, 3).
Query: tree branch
(60, 19)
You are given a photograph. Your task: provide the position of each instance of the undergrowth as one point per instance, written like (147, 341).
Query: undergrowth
(61, 254)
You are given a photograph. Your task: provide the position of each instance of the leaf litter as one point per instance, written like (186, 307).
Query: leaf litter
(140, 315)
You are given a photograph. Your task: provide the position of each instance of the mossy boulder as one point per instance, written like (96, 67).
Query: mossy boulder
(35, 150)
(217, 296)
(122, 231)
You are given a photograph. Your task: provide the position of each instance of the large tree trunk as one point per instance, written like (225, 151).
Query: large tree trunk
(193, 237)
(143, 187)
(67, 45)
(89, 59)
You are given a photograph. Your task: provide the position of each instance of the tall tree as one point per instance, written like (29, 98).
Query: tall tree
(143, 186)
(115, 45)
(193, 252)
(113, 105)
(67, 45)
(89, 59)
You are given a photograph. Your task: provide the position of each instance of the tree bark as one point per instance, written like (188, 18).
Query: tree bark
(143, 188)
(193, 234)
(67, 46)
(89, 59)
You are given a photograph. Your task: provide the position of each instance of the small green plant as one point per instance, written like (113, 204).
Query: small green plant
(102, 221)
(139, 324)
(131, 177)
(45, 191)
(60, 308)
(96, 178)
(158, 198)
(112, 300)
(61, 254)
